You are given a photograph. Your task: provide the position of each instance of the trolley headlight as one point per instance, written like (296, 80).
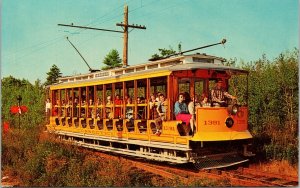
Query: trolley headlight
(233, 109)
(229, 122)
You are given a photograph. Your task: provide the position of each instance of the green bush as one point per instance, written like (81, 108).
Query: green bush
(273, 105)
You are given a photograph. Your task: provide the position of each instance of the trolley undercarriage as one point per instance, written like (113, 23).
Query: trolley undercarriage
(157, 151)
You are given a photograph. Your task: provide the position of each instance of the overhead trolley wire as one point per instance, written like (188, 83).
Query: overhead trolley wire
(33, 51)
(52, 41)
(47, 43)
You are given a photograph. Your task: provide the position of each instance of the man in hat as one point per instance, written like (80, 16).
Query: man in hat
(218, 94)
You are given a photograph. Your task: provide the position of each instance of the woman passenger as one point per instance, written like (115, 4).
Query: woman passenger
(181, 111)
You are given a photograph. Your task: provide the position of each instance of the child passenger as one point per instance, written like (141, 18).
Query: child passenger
(161, 110)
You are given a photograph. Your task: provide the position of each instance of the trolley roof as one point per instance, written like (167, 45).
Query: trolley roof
(153, 69)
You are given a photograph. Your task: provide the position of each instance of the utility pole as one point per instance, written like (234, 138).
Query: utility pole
(125, 27)
(125, 40)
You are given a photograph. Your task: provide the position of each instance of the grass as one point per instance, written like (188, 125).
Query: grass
(33, 158)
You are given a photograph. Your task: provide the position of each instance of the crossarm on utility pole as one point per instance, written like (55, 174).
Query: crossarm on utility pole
(93, 28)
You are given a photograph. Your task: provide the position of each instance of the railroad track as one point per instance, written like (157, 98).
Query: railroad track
(186, 174)
(266, 177)
(239, 177)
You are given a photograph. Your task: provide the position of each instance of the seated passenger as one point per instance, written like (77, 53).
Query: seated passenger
(181, 111)
(98, 102)
(108, 110)
(108, 101)
(58, 107)
(118, 101)
(140, 109)
(91, 102)
(218, 95)
(55, 109)
(75, 104)
(82, 110)
(83, 102)
(128, 101)
(98, 111)
(63, 103)
(157, 96)
(63, 111)
(91, 111)
(193, 104)
(68, 107)
(126, 98)
(204, 100)
(129, 112)
(180, 106)
(153, 107)
(162, 112)
(139, 100)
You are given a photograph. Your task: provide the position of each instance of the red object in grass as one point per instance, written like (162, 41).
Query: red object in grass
(24, 109)
(5, 127)
(18, 109)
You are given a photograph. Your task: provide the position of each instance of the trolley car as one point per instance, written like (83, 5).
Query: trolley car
(82, 115)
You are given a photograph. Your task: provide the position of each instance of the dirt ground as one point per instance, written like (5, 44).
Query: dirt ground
(277, 167)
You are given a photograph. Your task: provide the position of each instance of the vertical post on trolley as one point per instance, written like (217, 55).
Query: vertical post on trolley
(194, 101)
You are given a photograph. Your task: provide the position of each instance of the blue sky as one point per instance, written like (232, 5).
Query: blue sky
(31, 41)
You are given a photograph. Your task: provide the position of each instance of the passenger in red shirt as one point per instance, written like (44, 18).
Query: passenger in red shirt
(117, 102)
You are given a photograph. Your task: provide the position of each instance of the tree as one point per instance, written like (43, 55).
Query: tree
(53, 75)
(112, 60)
(164, 53)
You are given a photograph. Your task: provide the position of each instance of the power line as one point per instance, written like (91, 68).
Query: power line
(33, 46)
(95, 21)
(56, 39)
(60, 37)
(158, 12)
(31, 52)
